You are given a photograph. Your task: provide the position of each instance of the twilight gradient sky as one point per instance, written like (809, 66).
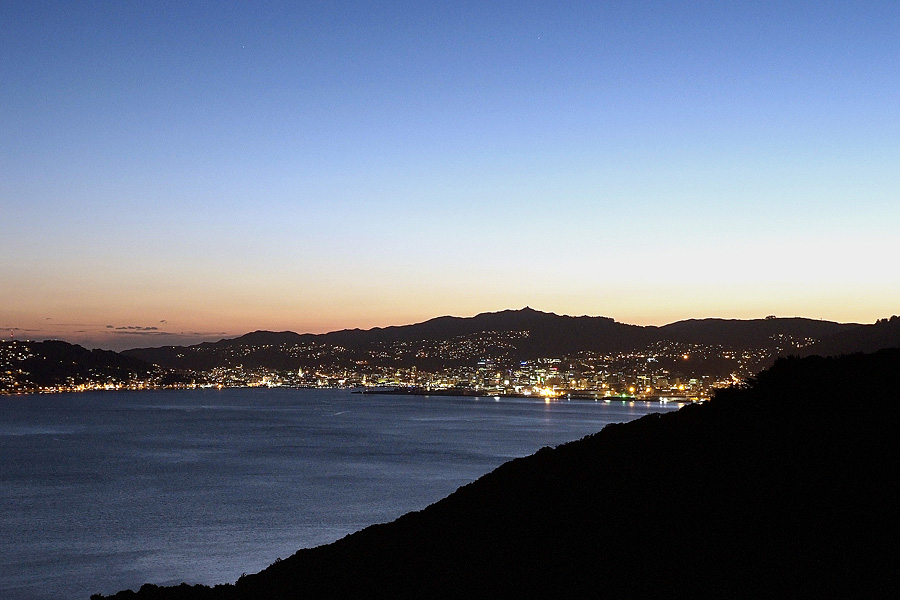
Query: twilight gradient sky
(178, 171)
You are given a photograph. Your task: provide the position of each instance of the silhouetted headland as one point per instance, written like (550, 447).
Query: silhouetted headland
(782, 488)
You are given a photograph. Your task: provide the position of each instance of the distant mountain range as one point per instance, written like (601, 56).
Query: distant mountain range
(504, 337)
(513, 335)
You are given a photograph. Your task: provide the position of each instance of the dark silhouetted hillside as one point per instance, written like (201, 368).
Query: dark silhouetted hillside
(538, 334)
(266, 351)
(784, 489)
(53, 362)
(547, 335)
(885, 333)
(751, 333)
(550, 334)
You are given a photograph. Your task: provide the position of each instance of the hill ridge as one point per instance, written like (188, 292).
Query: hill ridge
(539, 334)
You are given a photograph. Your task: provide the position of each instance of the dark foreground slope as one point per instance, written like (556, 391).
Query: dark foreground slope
(783, 489)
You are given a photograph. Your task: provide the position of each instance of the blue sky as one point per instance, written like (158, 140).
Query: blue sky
(212, 168)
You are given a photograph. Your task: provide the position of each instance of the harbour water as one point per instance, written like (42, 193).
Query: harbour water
(106, 491)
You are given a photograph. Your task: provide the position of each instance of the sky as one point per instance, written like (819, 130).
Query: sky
(172, 172)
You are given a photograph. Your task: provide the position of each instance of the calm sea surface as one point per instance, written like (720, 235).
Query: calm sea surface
(105, 491)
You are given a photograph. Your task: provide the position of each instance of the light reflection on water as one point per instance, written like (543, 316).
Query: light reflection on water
(105, 491)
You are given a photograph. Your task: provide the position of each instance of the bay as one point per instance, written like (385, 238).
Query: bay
(102, 491)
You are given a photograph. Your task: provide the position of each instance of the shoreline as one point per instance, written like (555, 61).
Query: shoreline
(469, 393)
